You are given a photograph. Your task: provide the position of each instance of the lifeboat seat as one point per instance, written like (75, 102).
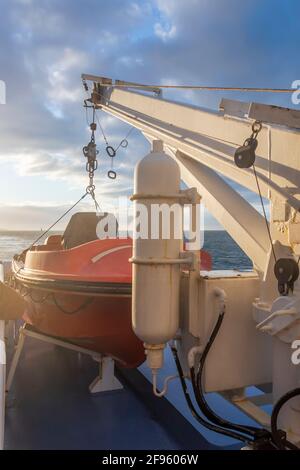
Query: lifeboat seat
(82, 228)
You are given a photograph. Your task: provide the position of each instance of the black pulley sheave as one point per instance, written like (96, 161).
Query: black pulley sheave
(286, 271)
(244, 156)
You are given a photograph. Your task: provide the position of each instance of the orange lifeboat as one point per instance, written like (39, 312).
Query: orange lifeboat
(78, 287)
(81, 293)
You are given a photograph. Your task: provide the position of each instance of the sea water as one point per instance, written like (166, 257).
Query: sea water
(225, 253)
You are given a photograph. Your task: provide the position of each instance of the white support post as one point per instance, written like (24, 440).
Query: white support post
(2, 371)
(15, 360)
(106, 381)
(245, 225)
(2, 383)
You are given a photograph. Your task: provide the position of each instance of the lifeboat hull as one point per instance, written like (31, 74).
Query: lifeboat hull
(82, 295)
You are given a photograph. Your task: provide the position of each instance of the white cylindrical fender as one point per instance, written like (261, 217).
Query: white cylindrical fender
(156, 252)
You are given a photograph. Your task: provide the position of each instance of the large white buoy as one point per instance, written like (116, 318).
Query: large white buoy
(156, 253)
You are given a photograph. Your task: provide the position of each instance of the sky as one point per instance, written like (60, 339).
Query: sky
(45, 45)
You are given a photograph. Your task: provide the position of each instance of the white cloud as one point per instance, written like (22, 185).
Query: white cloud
(47, 45)
(130, 61)
(68, 60)
(165, 32)
(135, 9)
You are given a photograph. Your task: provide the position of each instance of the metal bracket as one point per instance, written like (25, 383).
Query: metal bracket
(275, 115)
(139, 86)
(251, 406)
(104, 382)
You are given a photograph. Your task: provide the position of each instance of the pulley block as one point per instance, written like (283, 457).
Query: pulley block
(244, 156)
(286, 271)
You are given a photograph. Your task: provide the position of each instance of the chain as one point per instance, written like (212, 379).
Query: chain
(110, 150)
(256, 128)
(90, 152)
(91, 191)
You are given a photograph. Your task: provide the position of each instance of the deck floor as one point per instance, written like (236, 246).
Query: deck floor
(50, 407)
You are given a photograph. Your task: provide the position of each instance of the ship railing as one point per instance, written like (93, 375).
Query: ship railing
(2, 370)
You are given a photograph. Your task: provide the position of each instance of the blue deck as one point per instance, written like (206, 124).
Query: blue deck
(50, 407)
(215, 400)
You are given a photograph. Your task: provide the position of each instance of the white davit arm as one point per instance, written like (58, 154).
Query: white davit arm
(203, 142)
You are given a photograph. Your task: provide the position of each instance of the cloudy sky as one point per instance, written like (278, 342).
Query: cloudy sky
(45, 45)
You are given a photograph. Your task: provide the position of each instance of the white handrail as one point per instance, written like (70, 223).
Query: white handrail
(2, 370)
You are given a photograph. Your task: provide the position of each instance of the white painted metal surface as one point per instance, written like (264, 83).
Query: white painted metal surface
(251, 405)
(203, 143)
(104, 382)
(241, 355)
(211, 138)
(156, 263)
(231, 210)
(2, 371)
(282, 323)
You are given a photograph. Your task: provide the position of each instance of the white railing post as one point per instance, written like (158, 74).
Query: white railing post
(2, 370)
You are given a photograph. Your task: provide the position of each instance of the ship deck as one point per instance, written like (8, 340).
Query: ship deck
(50, 407)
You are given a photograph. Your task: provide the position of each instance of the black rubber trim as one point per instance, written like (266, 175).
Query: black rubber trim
(87, 287)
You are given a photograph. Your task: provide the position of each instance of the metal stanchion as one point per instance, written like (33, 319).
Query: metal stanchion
(2, 370)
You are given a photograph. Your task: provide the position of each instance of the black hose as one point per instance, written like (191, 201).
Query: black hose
(253, 431)
(279, 437)
(196, 415)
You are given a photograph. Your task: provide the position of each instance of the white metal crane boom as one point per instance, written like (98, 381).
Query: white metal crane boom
(203, 142)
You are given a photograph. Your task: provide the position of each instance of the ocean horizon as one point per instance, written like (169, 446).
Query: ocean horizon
(224, 251)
